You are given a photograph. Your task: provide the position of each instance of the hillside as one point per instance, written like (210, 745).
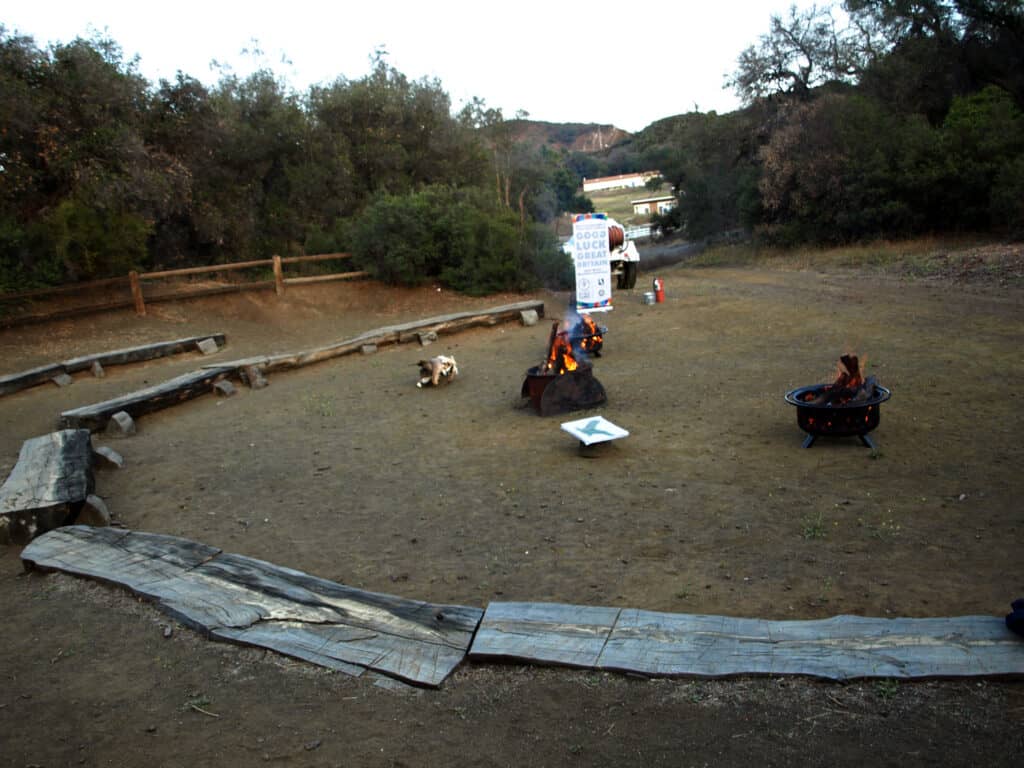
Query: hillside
(573, 137)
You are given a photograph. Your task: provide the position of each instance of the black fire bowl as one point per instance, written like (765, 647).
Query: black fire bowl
(852, 419)
(552, 394)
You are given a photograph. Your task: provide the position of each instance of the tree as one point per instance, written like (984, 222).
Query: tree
(709, 160)
(805, 50)
(927, 52)
(82, 186)
(982, 135)
(843, 167)
(459, 237)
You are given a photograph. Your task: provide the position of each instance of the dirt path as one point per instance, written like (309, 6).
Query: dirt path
(347, 471)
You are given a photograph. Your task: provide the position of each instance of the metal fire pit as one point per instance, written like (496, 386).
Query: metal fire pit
(554, 393)
(855, 418)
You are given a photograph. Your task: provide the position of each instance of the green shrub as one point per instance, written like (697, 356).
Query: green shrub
(457, 237)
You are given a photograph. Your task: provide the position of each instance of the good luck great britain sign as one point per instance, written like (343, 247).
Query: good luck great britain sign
(593, 268)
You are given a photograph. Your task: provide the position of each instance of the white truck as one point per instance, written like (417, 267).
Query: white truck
(624, 257)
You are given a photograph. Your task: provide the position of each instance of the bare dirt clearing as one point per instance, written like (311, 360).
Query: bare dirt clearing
(459, 495)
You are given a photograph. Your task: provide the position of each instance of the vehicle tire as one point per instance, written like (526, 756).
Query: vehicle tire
(628, 279)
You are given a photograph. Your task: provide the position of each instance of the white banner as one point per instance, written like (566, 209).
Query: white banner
(593, 267)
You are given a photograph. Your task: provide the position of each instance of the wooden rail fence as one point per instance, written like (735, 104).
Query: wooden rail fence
(135, 280)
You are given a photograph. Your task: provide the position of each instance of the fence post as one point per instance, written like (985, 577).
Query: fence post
(278, 276)
(140, 305)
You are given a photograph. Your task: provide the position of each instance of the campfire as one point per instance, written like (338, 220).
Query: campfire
(850, 386)
(564, 381)
(849, 406)
(589, 335)
(572, 341)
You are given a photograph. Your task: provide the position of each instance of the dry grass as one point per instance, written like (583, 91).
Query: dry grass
(964, 258)
(617, 203)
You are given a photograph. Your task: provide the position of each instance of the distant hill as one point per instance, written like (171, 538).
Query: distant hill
(574, 137)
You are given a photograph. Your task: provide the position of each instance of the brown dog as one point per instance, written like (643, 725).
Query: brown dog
(436, 368)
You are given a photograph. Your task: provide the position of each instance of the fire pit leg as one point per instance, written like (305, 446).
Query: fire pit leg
(866, 439)
(809, 441)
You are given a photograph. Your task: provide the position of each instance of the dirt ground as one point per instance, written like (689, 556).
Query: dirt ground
(461, 495)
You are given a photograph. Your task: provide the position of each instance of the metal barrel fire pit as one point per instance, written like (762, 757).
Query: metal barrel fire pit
(555, 393)
(852, 418)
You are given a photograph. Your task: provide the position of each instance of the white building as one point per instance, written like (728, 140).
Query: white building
(648, 206)
(622, 181)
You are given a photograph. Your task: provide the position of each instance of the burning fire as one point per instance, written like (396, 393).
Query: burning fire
(560, 358)
(850, 385)
(572, 341)
(590, 336)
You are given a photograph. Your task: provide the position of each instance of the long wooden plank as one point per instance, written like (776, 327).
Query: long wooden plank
(314, 257)
(550, 633)
(115, 556)
(205, 270)
(392, 334)
(142, 401)
(243, 600)
(193, 384)
(11, 321)
(62, 289)
(141, 353)
(692, 645)
(15, 382)
(324, 278)
(197, 293)
(46, 488)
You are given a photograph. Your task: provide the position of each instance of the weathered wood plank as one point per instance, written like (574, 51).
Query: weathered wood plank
(240, 599)
(688, 645)
(16, 382)
(141, 353)
(48, 485)
(190, 385)
(550, 633)
(114, 556)
(143, 401)
(392, 334)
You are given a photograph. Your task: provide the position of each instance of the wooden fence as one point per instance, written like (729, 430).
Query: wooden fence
(139, 298)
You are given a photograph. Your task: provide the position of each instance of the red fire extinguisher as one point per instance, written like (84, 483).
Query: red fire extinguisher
(659, 290)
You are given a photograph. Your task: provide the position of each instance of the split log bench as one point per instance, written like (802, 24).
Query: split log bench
(171, 392)
(242, 600)
(18, 381)
(252, 370)
(48, 486)
(693, 645)
(392, 334)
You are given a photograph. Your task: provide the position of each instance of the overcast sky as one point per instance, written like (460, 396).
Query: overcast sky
(626, 64)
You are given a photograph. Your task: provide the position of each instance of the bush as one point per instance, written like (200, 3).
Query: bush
(77, 241)
(457, 237)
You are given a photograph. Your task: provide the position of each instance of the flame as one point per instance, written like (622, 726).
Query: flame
(572, 341)
(849, 384)
(587, 331)
(560, 357)
(849, 372)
